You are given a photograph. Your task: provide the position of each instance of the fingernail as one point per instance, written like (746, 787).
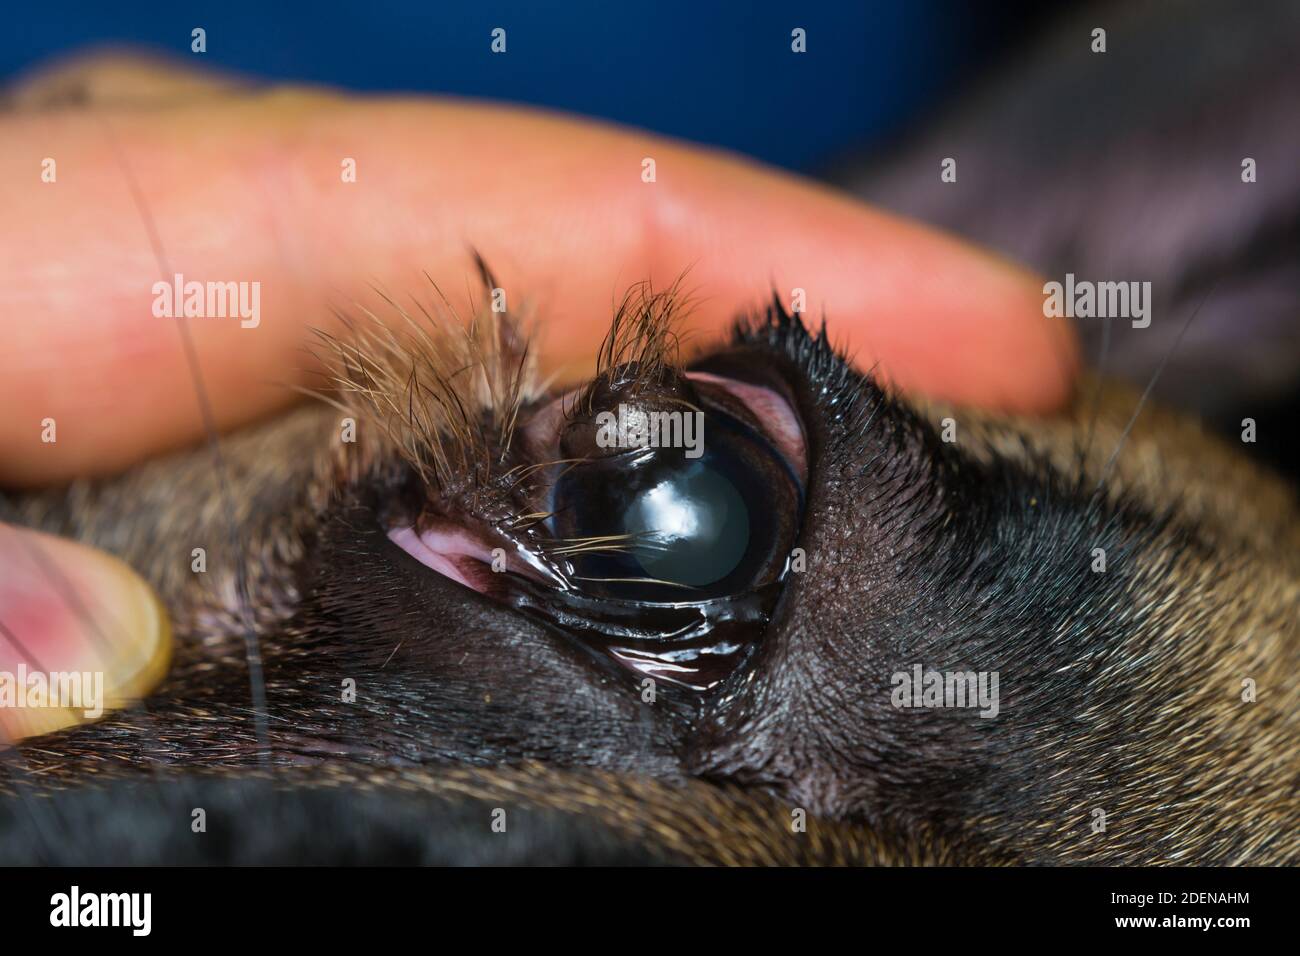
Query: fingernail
(81, 634)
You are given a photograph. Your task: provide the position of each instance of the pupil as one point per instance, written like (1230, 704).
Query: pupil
(693, 527)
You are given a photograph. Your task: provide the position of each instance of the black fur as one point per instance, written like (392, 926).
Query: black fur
(255, 823)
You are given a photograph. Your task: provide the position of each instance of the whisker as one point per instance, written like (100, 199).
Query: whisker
(1103, 354)
(252, 647)
(671, 584)
(1146, 393)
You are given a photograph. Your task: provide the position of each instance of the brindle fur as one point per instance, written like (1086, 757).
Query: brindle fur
(1145, 719)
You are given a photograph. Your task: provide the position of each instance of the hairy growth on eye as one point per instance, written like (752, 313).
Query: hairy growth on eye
(444, 393)
(642, 347)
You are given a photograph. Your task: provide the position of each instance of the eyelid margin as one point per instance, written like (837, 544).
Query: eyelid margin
(777, 418)
(780, 421)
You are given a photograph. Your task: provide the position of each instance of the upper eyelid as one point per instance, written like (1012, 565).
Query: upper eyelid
(781, 423)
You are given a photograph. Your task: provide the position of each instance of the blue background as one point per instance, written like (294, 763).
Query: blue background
(715, 74)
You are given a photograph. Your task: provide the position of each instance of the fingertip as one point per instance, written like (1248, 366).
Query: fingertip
(928, 311)
(81, 634)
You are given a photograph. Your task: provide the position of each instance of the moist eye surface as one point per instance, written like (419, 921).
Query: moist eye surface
(687, 502)
(669, 519)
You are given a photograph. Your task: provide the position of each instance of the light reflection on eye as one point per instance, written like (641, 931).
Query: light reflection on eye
(697, 525)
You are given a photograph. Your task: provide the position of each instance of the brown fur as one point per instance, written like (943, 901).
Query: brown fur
(1241, 586)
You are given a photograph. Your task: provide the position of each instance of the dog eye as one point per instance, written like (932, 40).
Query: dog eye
(651, 515)
(672, 510)
(671, 494)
